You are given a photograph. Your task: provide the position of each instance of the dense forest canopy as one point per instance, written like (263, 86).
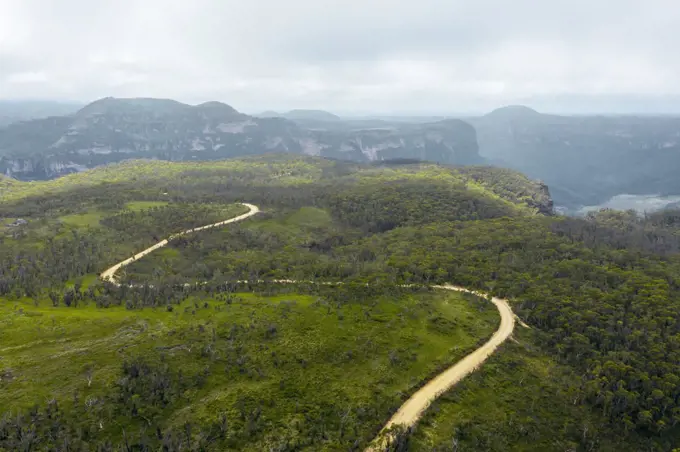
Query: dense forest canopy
(601, 295)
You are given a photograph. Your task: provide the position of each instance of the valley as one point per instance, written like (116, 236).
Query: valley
(639, 203)
(585, 160)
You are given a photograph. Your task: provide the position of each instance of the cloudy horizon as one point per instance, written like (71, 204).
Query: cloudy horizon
(350, 57)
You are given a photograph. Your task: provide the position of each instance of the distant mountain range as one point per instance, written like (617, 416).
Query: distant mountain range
(585, 159)
(111, 130)
(302, 115)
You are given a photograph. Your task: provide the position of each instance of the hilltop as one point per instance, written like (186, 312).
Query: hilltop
(270, 170)
(513, 112)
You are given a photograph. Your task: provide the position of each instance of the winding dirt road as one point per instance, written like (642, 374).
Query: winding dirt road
(110, 273)
(413, 409)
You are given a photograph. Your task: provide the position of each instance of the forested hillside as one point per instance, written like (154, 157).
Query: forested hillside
(220, 366)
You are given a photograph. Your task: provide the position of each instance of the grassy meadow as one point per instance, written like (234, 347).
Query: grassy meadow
(298, 359)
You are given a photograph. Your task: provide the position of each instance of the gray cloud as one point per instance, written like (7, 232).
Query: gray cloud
(429, 56)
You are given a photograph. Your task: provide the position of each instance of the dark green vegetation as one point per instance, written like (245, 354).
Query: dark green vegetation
(73, 244)
(110, 130)
(587, 159)
(520, 400)
(598, 370)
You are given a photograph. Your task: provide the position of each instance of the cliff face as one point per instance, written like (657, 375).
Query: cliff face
(512, 185)
(543, 200)
(111, 130)
(451, 141)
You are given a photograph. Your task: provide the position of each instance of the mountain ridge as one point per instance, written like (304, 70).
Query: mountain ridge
(114, 129)
(302, 115)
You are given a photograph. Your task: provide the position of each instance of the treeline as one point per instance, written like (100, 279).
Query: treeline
(403, 202)
(511, 185)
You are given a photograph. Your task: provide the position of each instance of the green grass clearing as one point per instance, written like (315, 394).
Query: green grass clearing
(84, 220)
(136, 206)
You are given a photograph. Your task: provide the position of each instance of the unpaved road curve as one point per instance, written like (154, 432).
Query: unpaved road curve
(411, 411)
(110, 273)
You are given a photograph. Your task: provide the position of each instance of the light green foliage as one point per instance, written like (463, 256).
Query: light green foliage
(287, 354)
(310, 217)
(286, 170)
(83, 220)
(136, 206)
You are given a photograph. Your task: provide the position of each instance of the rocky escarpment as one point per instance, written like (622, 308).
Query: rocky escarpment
(512, 185)
(450, 141)
(543, 201)
(110, 130)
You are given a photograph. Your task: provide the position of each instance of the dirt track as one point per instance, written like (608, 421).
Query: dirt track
(110, 273)
(411, 411)
(414, 407)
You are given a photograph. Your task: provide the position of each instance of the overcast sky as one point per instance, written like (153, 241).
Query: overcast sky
(347, 56)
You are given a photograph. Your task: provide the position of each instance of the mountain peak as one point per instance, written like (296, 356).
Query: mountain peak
(122, 105)
(216, 106)
(513, 111)
(269, 114)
